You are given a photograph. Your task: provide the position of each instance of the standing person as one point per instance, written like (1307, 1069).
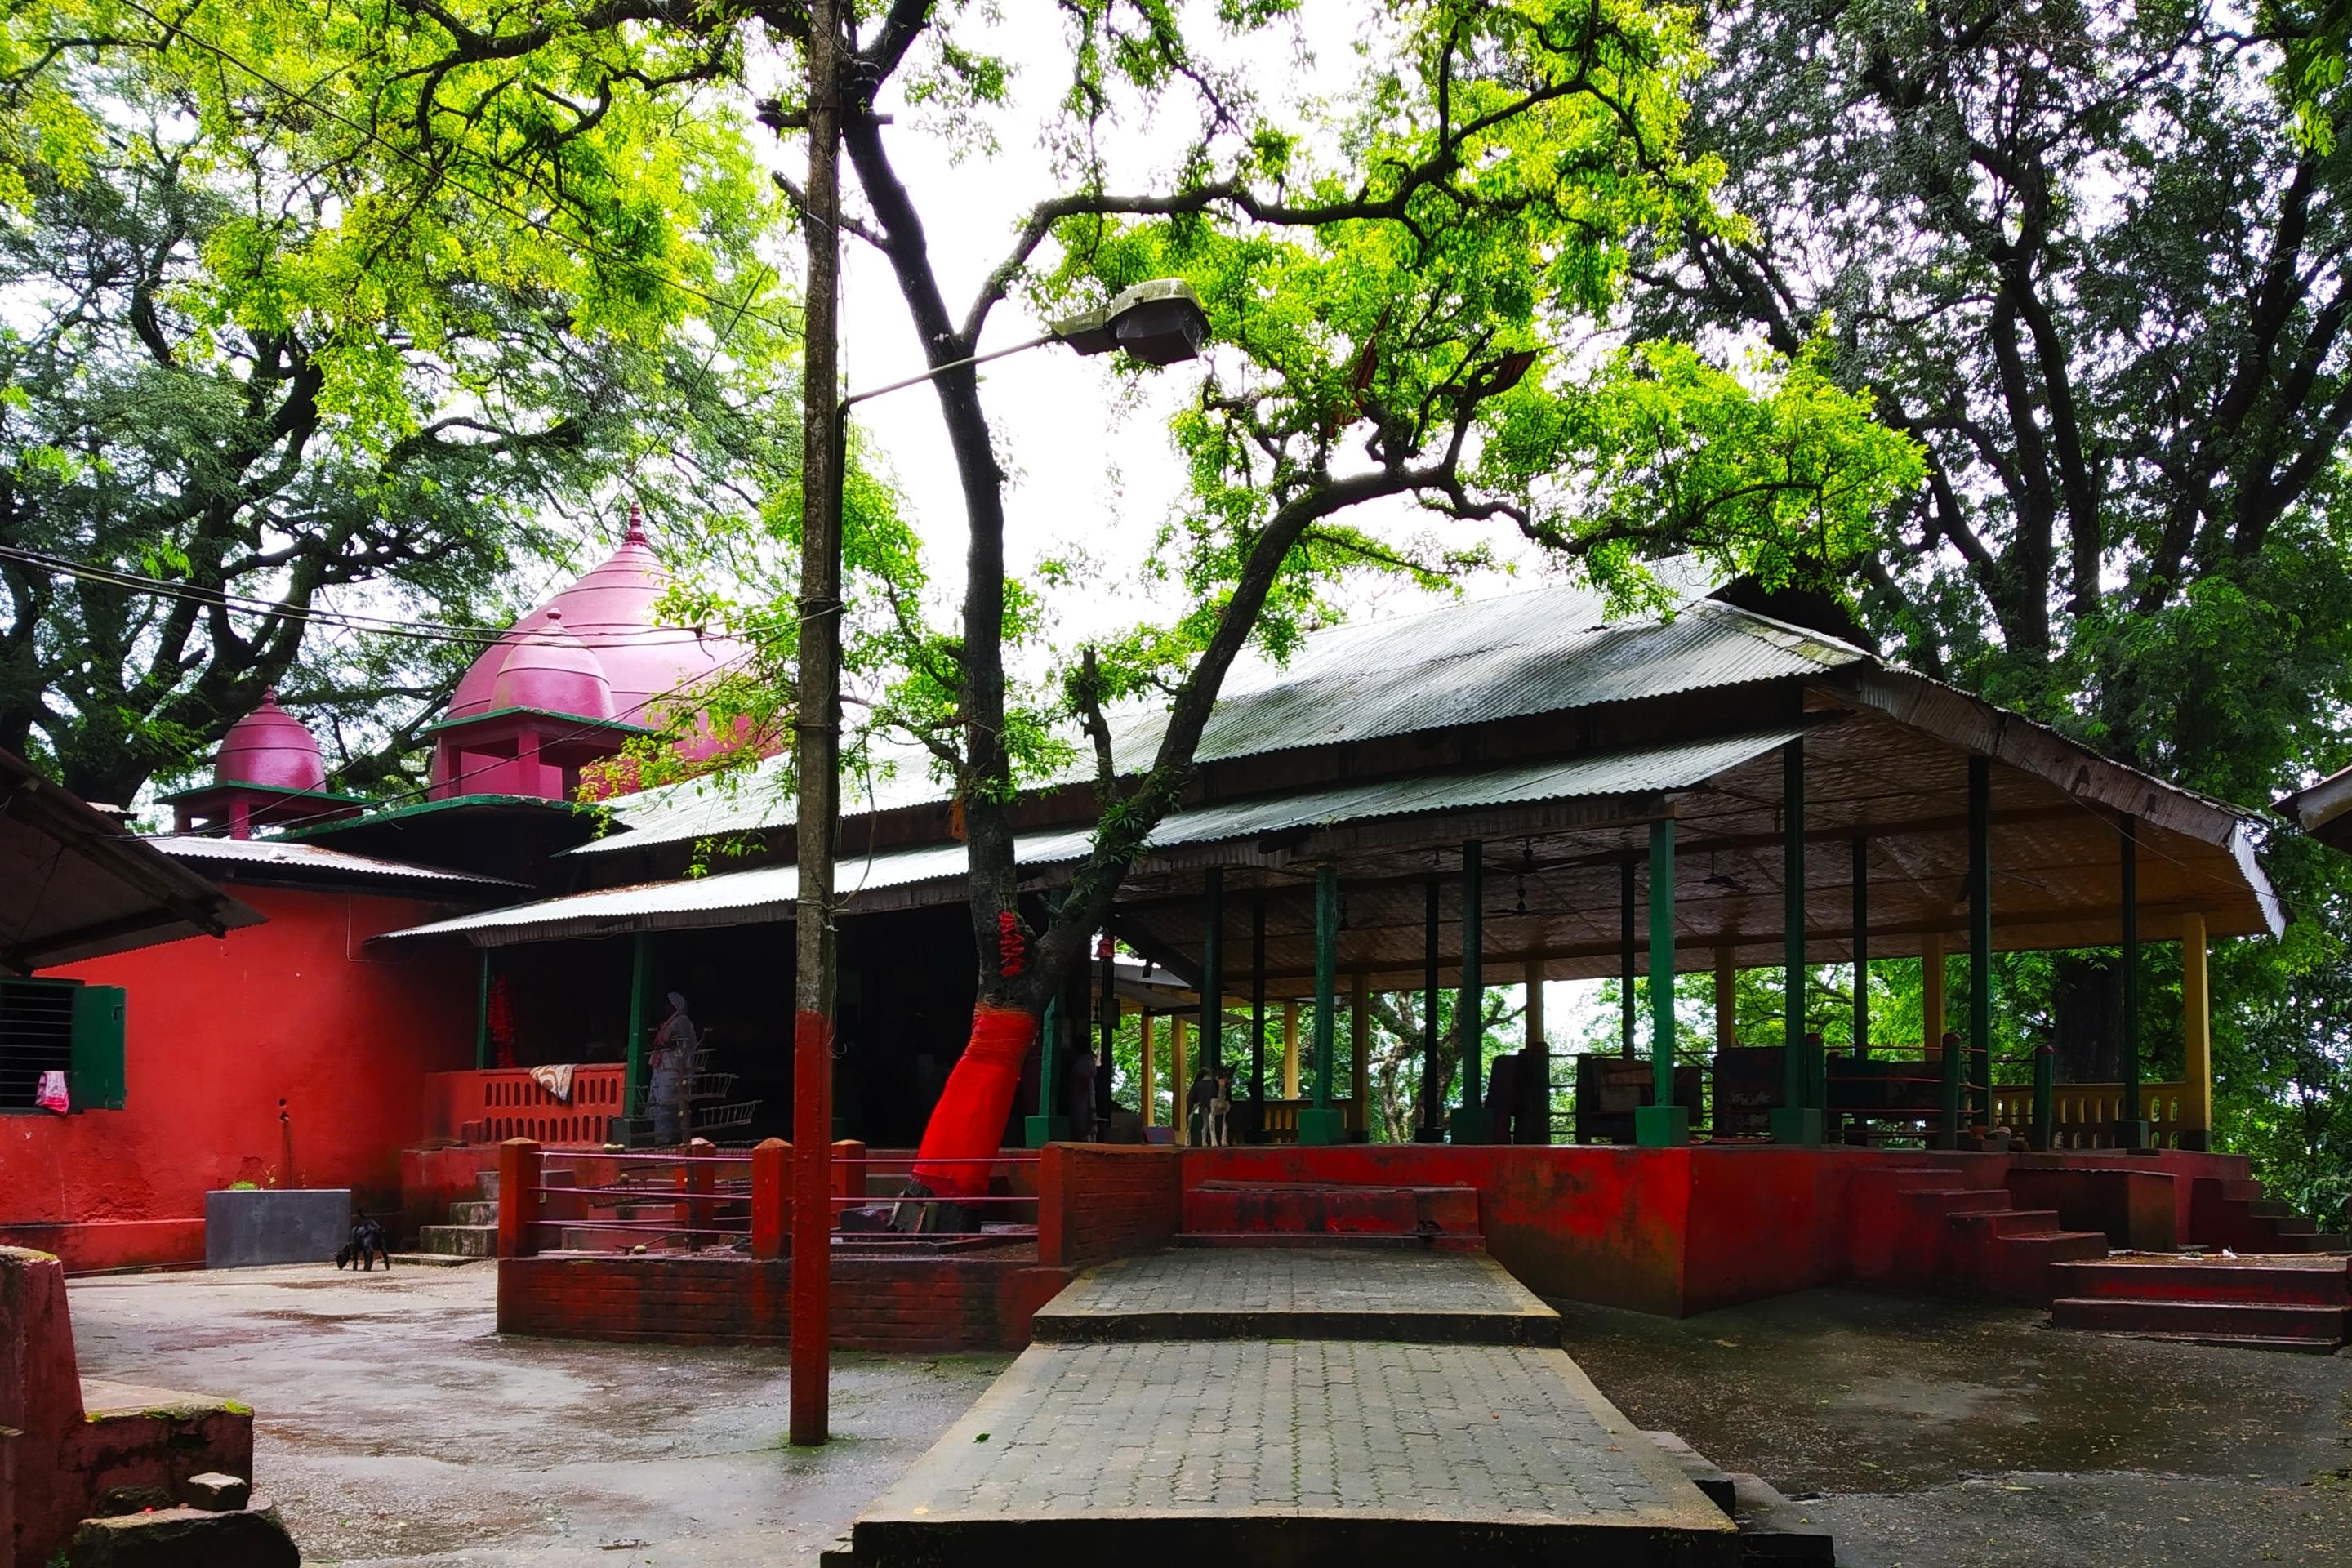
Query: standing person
(671, 1060)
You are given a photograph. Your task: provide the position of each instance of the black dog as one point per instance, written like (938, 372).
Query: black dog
(367, 1244)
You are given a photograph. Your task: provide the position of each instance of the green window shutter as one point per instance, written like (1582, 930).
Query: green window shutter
(95, 1079)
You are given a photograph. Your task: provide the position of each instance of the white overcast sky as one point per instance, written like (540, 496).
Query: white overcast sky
(1089, 466)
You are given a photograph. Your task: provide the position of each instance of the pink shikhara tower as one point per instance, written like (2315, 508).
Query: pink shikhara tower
(570, 682)
(269, 773)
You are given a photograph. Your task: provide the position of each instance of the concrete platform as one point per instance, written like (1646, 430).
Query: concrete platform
(1449, 1297)
(1251, 1454)
(1286, 1407)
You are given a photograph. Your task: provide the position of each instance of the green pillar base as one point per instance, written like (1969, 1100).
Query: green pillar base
(1469, 1124)
(1798, 1124)
(1661, 1126)
(1044, 1130)
(1322, 1125)
(2133, 1135)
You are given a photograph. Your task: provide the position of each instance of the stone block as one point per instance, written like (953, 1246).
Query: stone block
(186, 1538)
(219, 1493)
(246, 1229)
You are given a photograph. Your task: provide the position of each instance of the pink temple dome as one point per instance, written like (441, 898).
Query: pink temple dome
(554, 672)
(611, 612)
(271, 748)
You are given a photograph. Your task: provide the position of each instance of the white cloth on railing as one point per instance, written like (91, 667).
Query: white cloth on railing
(556, 1080)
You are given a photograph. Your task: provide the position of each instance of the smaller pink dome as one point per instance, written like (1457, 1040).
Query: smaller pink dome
(271, 748)
(554, 672)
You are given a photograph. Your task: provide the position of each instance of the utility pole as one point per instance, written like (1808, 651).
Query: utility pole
(816, 745)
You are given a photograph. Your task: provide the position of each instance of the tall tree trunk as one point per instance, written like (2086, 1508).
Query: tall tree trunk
(2086, 1007)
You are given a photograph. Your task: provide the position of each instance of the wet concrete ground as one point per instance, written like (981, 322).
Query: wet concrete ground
(1939, 1433)
(393, 1425)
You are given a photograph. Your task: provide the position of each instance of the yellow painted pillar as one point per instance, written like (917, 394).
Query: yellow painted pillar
(2197, 1037)
(1151, 1089)
(1290, 1050)
(1179, 1079)
(1726, 1000)
(1931, 992)
(1360, 1048)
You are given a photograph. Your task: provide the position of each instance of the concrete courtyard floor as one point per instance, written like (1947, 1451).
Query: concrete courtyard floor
(395, 1427)
(1931, 1434)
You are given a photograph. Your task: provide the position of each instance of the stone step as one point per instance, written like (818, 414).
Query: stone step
(1264, 1453)
(1351, 1241)
(2021, 1265)
(2004, 1221)
(473, 1211)
(2268, 1208)
(486, 1183)
(2323, 1241)
(1331, 1209)
(1955, 1200)
(2221, 1279)
(459, 1240)
(2292, 1225)
(1772, 1529)
(1712, 1484)
(1289, 1293)
(431, 1259)
(2237, 1321)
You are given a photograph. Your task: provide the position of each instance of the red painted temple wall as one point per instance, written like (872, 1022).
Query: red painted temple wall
(219, 1031)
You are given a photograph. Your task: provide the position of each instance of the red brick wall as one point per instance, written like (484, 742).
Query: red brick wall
(928, 1305)
(1097, 1202)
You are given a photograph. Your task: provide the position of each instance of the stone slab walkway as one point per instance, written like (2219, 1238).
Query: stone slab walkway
(1294, 1445)
(1443, 1298)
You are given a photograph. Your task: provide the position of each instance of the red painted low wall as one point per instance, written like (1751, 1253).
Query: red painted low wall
(1097, 1202)
(59, 1454)
(927, 1305)
(219, 1032)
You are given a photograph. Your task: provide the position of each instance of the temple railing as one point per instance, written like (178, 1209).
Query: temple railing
(2085, 1114)
(489, 1105)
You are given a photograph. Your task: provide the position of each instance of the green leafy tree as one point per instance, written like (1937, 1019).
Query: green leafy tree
(1396, 281)
(317, 312)
(2080, 255)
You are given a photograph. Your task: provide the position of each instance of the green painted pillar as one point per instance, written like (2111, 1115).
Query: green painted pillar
(1048, 1125)
(1470, 1007)
(482, 1016)
(1211, 1052)
(1797, 1118)
(1979, 1062)
(1662, 1123)
(1861, 948)
(1433, 1074)
(1627, 1008)
(2131, 1131)
(1323, 1123)
(1257, 1018)
(633, 1095)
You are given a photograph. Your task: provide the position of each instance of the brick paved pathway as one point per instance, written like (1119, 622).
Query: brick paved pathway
(1447, 1297)
(1363, 1444)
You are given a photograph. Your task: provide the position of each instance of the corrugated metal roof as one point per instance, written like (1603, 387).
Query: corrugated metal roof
(767, 893)
(1542, 652)
(311, 857)
(1649, 771)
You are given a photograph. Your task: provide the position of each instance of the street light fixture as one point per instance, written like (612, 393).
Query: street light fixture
(1159, 322)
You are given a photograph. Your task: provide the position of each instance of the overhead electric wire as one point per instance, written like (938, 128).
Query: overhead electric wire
(383, 625)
